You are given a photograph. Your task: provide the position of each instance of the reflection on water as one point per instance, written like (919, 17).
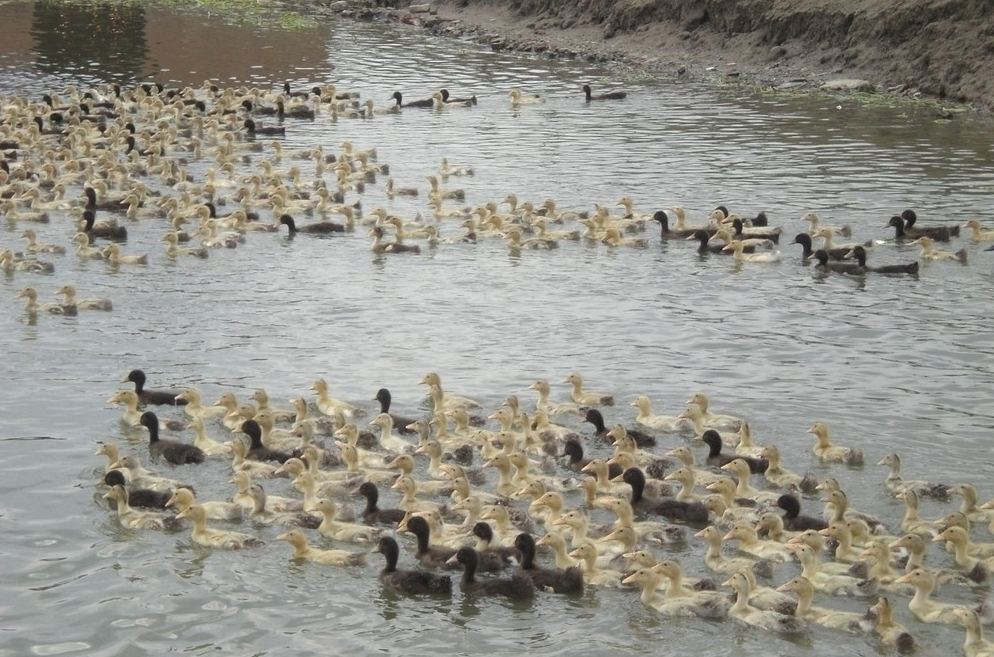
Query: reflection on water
(90, 40)
(890, 364)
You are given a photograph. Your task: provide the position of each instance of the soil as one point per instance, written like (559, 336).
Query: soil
(939, 49)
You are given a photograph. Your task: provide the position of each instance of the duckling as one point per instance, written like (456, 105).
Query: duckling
(740, 469)
(712, 439)
(141, 497)
(701, 477)
(414, 582)
(969, 506)
(929, 252)
(69, 299)
(256, 450)
(388, 440)
(780, 476)
(718, 562)
(978, 234)
(567, 581)
(896, 485)
(83, 248)
(836, 584)
(844, 551)
(517, 587)
(215, 510)
(827, 452)
(737, 248)
(543, 389)
(608, 95)
(372, 513)
(112, 254)
(859, 253)
(979, 571)
(922, 606)
(301, 550)
(975, 644)
(173, 250)
(517, 98)
(193, 405)
(891, 633)
(712, 419)
(210, 537)
(158, 397)
(33, 246)
(837, 620)
(664, 423)
(617, 435)
(140, 477)
(750, 542)
(793, 519)
(9, 263)
(586, 554)
(32, 307)
(764, 619)
(130, 518)
(261, 512)
(586, 398)
(172, 451)
(939, 233)
(816, 225)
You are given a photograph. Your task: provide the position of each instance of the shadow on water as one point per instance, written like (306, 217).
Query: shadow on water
(100, 40)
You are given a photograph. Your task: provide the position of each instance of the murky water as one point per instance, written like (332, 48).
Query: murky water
(891, 364)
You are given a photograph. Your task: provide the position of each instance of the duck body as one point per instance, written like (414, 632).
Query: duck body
(568, 581)
(172, 451)
(215, 538)
(517, 587)
(412, 582)
(157, 397)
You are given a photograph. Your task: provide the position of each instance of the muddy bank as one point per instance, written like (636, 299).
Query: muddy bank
(933, 48)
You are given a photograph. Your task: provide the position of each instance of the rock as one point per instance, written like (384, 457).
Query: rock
(848, 84)
(419, 9)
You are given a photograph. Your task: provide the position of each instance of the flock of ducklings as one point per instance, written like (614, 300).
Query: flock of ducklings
(70, 163)
(482, 492)
(92, 164)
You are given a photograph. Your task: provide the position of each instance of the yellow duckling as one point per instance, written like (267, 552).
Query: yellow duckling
(517, 98)
(173, 250)
(891, 633)
(301, 550)
(922, 606)
(112, 254)
(183, 498)
(34, 246)
(737, 249)
(217, 538)
(32, 307)
(68, 293)
(929, 252)
(975, 644)
(664, 423)
(978, 234)
(827, 452)
(207, 445)
(132, 518)
(763, 619)
(835, 619)
(579, 396)
(586, 554)
(128, 399)
(340, 530)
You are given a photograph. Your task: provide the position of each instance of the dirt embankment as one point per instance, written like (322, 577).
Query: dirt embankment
(938, 48)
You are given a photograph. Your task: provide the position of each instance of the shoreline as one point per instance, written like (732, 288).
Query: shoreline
(669, 48)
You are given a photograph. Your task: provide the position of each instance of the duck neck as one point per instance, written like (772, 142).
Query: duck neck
(423, 534)
(469, 572)
(803, 602)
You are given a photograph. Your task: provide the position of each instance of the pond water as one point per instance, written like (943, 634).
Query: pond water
(889, 363)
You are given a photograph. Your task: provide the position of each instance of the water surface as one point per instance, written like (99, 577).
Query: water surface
(891, 364)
